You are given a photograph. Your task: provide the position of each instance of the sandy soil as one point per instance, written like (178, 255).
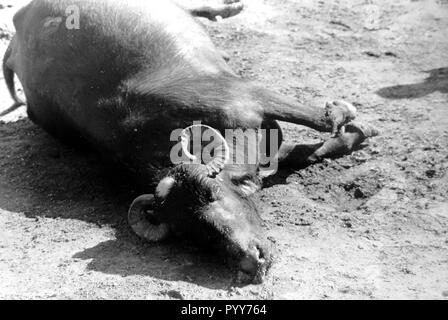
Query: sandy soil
(371, 225)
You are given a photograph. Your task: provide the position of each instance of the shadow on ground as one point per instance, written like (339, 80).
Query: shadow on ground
(436, 81)
(43, 178)
(173, 261)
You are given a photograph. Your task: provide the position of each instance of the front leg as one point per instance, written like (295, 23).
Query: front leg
(332, 118)
(299, 156)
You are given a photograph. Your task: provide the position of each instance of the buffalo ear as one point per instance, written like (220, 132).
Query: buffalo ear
(140, 215)
(247, 184)
(164, 187)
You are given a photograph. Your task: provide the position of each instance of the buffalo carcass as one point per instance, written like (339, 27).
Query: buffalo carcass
(125, 76)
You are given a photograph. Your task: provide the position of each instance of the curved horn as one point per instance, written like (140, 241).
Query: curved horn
(138, 218)
(222, 152)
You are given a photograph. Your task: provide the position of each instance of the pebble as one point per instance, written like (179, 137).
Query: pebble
(175, 294)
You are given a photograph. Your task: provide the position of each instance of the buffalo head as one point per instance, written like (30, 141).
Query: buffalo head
(203, 203)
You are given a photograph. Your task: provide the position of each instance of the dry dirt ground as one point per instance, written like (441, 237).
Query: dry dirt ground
(371, 225)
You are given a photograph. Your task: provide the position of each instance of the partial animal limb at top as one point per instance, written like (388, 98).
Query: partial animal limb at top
(8, 73)
(211, 9)
(297, 156)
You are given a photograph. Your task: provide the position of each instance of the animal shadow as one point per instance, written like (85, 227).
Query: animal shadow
(436, 81)
(41, 177)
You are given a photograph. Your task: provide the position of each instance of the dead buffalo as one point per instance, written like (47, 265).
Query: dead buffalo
(122, 76)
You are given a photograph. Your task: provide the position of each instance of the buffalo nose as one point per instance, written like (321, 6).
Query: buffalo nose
(254, 262)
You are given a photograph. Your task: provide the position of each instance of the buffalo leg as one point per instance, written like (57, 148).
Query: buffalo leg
(337, 118)
(297, 156)
(330, 118)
